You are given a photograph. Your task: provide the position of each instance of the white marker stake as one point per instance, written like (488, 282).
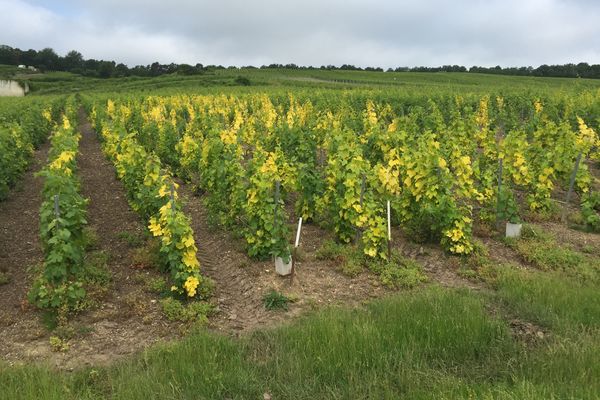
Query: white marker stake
(389, 243)
(293, 270)
(298, 232)
(389, 221)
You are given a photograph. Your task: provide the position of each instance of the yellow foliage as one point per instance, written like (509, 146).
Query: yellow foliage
(190, 285)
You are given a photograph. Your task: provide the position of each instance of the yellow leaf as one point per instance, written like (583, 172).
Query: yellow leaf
(155, 227)
(189, 259)
(190, 285)
(188, 241)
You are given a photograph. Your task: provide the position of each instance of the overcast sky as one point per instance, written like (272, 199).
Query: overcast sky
(382, 33)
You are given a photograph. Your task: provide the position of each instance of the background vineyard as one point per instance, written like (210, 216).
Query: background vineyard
(437, 161)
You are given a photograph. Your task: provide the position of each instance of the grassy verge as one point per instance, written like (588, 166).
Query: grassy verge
(432, 344)
(563, 304)
(539, 249)
(565, 364)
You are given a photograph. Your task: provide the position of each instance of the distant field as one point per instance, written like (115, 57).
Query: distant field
(63, 82)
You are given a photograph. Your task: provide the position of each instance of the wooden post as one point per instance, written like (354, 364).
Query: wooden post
(276, 202)
(297, 242)
(499, 137)
(362, 190)
(280, 267)
(56, 207)
(320, 156)
(172, 196)
(571, 186)
(498, 196)
(362, 198)
(277, 189)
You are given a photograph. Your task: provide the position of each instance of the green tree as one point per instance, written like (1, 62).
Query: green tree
(73, 60)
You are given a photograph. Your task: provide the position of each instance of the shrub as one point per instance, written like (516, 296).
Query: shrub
(242, 81)
(590, 211)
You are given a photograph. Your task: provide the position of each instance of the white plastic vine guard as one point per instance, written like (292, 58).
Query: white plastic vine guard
(513, 230)
(282, 268)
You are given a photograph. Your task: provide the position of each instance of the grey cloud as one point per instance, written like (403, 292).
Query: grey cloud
(383, 33)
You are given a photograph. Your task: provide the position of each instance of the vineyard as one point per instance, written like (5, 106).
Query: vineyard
(131, 218)
(437, 163)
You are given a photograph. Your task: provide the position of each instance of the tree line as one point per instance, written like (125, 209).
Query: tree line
(48, 60)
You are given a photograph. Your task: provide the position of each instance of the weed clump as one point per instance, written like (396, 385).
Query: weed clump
(541, 250)
(4, 278)
(133, 240)
(276, 301)
(147, 256)
(478, 266)
(196, 311)
(397, 272)
(590, 211)
(59, 345)
(348, 259)
(156, 285)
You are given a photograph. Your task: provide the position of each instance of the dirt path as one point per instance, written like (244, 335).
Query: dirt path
(126, 317)
(129, 317)
(20, 249)
(587, 242)
(241, 283)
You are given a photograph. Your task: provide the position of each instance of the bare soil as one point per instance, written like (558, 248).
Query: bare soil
(499, 251)
(19, 250)
(241, 283)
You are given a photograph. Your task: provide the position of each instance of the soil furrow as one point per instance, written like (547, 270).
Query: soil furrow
(19, 250)
(240, 305)
(128, 318)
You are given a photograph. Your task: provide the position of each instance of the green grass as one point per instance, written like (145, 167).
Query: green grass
(8, 71)
(433, 344)
(549, 298)
(569, 310)
(381, 351)
(218, 81)
(542, 251)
